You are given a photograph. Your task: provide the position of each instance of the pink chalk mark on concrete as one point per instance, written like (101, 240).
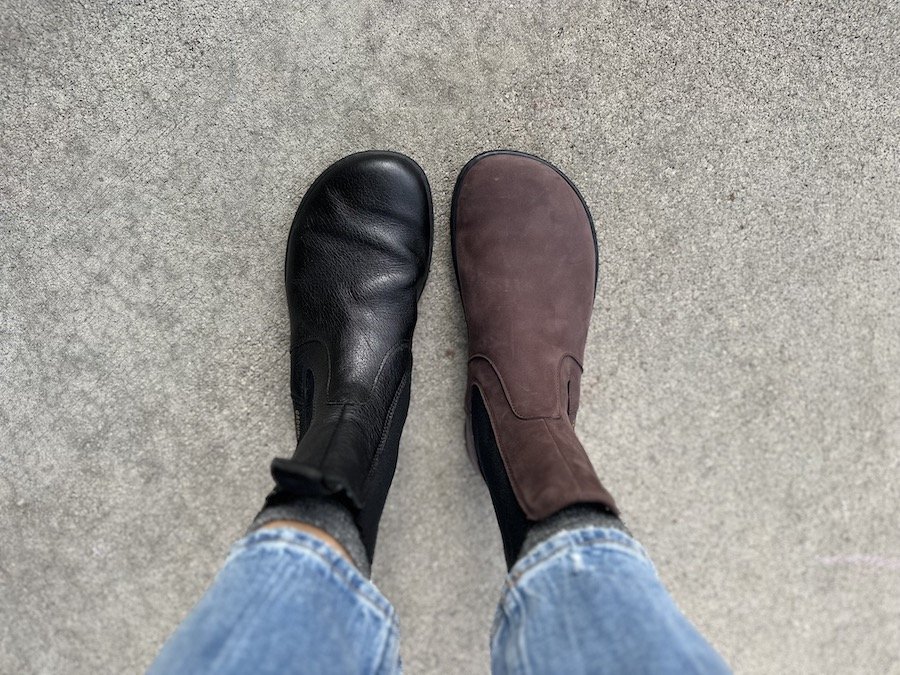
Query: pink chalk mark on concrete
(860, 560)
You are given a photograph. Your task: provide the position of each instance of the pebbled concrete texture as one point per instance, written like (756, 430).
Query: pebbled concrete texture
(742, 392)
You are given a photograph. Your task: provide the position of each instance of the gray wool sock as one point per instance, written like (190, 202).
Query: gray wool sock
(570, 518)
(326, 514)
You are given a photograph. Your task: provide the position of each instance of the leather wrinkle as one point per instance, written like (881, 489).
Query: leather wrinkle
(397, 348)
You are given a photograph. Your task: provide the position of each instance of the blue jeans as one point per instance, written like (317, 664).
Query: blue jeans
(584, 601)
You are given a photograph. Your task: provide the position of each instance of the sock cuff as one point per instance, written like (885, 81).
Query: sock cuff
(326, 514)
(570, 518)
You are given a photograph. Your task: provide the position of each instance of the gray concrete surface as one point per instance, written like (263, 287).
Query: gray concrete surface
(742, 394)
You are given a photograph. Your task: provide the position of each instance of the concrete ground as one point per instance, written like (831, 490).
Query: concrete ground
(742, 393)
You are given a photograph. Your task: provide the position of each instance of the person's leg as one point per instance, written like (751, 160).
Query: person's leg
(294, 595)
(589, 601)
(285, 602)
(581, 596)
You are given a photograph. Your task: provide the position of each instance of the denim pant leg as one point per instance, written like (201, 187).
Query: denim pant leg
(285, 602)
(589, 601)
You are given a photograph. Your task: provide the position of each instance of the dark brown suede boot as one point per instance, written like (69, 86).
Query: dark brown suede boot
(525, 254)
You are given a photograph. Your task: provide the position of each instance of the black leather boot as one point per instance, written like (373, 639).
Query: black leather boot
(357, 257)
